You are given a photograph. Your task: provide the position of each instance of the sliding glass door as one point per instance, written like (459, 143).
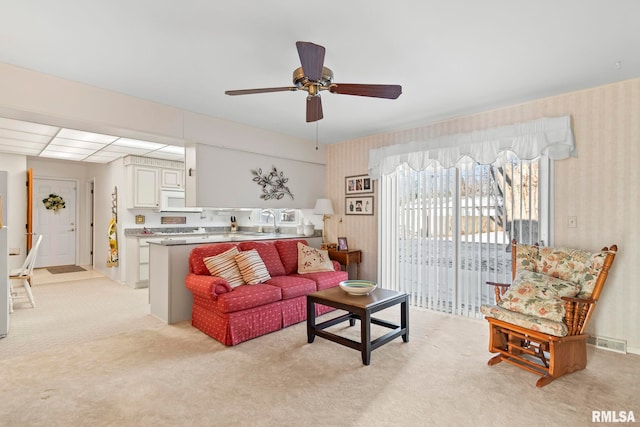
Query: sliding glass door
(445, 232)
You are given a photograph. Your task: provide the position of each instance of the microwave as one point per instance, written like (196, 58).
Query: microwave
(173, 201)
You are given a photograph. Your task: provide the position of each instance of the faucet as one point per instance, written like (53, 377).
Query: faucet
(276, 230)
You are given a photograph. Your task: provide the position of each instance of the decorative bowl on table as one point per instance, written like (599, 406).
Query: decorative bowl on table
(358, 287)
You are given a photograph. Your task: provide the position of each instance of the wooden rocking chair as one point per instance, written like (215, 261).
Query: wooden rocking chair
(538, 322)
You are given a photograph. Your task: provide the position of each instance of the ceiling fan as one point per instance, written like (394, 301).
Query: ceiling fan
(313, 77)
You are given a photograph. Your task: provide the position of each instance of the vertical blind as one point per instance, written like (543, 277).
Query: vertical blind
(445, 232)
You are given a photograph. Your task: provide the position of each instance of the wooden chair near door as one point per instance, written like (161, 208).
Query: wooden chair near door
(539, 321)
(24, 275)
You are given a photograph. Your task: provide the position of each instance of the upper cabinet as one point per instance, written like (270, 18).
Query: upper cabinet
(144, 193)
(147, 177)
(172, 179)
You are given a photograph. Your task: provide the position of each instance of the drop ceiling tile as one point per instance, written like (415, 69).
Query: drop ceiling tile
(125, 150)
(66, 149)
(63, 155)
(63, 142)
(24, 136)
(34, 139)
(4, 142)
(20, 150)
(102, 157)
(85, 136)
(134, 143)
(173, 150)
(28, 127)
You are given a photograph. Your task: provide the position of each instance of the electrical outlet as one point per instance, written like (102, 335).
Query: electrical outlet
(572, 221)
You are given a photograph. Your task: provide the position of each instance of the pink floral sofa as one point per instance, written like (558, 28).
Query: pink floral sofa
(232, 315)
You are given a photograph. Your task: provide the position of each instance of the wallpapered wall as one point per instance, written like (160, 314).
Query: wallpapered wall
(598, 187)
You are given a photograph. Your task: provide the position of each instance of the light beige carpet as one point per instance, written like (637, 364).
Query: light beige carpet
(177, 376)
(73, 312)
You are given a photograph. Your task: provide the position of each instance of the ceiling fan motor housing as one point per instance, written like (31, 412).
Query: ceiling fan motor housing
(303, 82)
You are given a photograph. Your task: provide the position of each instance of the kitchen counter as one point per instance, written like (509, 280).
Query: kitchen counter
(195, 239)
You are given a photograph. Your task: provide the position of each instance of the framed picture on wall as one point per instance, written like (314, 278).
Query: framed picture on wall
(358, 184)
(359, 205)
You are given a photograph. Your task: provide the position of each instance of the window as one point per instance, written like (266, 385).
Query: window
(283, 216)
(445, 232)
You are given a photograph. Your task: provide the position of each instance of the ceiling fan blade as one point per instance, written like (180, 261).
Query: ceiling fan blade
(312, 59)
(314, 108)
(375, 91)
(263, 90)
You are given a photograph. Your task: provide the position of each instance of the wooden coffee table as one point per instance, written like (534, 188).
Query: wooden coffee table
(359, 307)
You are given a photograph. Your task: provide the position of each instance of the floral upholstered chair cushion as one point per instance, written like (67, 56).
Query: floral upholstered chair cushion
(527, 257)
(538, 295)
(534, 323)
(573, 265)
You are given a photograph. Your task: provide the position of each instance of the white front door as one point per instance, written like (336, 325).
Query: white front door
(57, 227)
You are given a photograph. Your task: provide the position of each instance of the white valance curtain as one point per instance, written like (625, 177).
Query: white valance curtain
(550, 136)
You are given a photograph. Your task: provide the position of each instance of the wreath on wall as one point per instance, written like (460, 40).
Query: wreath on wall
(53, 202)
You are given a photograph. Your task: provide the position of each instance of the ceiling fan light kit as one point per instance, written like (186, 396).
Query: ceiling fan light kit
(313, 77)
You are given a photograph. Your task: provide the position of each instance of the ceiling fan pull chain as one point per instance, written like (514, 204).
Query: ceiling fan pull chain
(316, 136)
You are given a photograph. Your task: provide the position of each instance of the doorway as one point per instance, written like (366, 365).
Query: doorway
(58, 227)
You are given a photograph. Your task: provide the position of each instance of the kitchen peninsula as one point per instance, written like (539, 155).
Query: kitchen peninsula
(169, 299)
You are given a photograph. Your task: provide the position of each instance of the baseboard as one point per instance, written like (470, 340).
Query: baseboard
(633, 350)
(611, 344)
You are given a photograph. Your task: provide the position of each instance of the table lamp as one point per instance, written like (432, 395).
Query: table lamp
(324, 208)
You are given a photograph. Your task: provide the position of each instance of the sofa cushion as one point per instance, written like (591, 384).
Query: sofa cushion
(326, 279)
(539, 295)
(247, 296)
(288, 250)
(293, 286)
(311, 260)
(252, 267)
(534, 323)
(224, 265)
(269, 255)
(199, 253)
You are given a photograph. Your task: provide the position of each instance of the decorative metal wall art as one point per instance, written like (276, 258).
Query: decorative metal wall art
(273, 184)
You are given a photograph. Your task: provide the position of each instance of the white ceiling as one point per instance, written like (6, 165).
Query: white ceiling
(451, 57)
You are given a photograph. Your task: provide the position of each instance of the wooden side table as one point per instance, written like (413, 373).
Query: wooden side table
(348, 257)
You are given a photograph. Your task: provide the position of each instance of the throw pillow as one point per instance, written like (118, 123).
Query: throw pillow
(252, 267)
(269, 255)
(538, 295)
(312, 260)
(224, 265)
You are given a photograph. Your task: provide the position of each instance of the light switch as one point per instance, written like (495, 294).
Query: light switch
(14, 251)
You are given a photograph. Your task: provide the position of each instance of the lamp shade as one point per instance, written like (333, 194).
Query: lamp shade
(323, 207)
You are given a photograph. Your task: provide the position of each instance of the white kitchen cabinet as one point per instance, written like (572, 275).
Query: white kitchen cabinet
(145, 187)
(137, 266)
(147, 176)
(172, 179)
